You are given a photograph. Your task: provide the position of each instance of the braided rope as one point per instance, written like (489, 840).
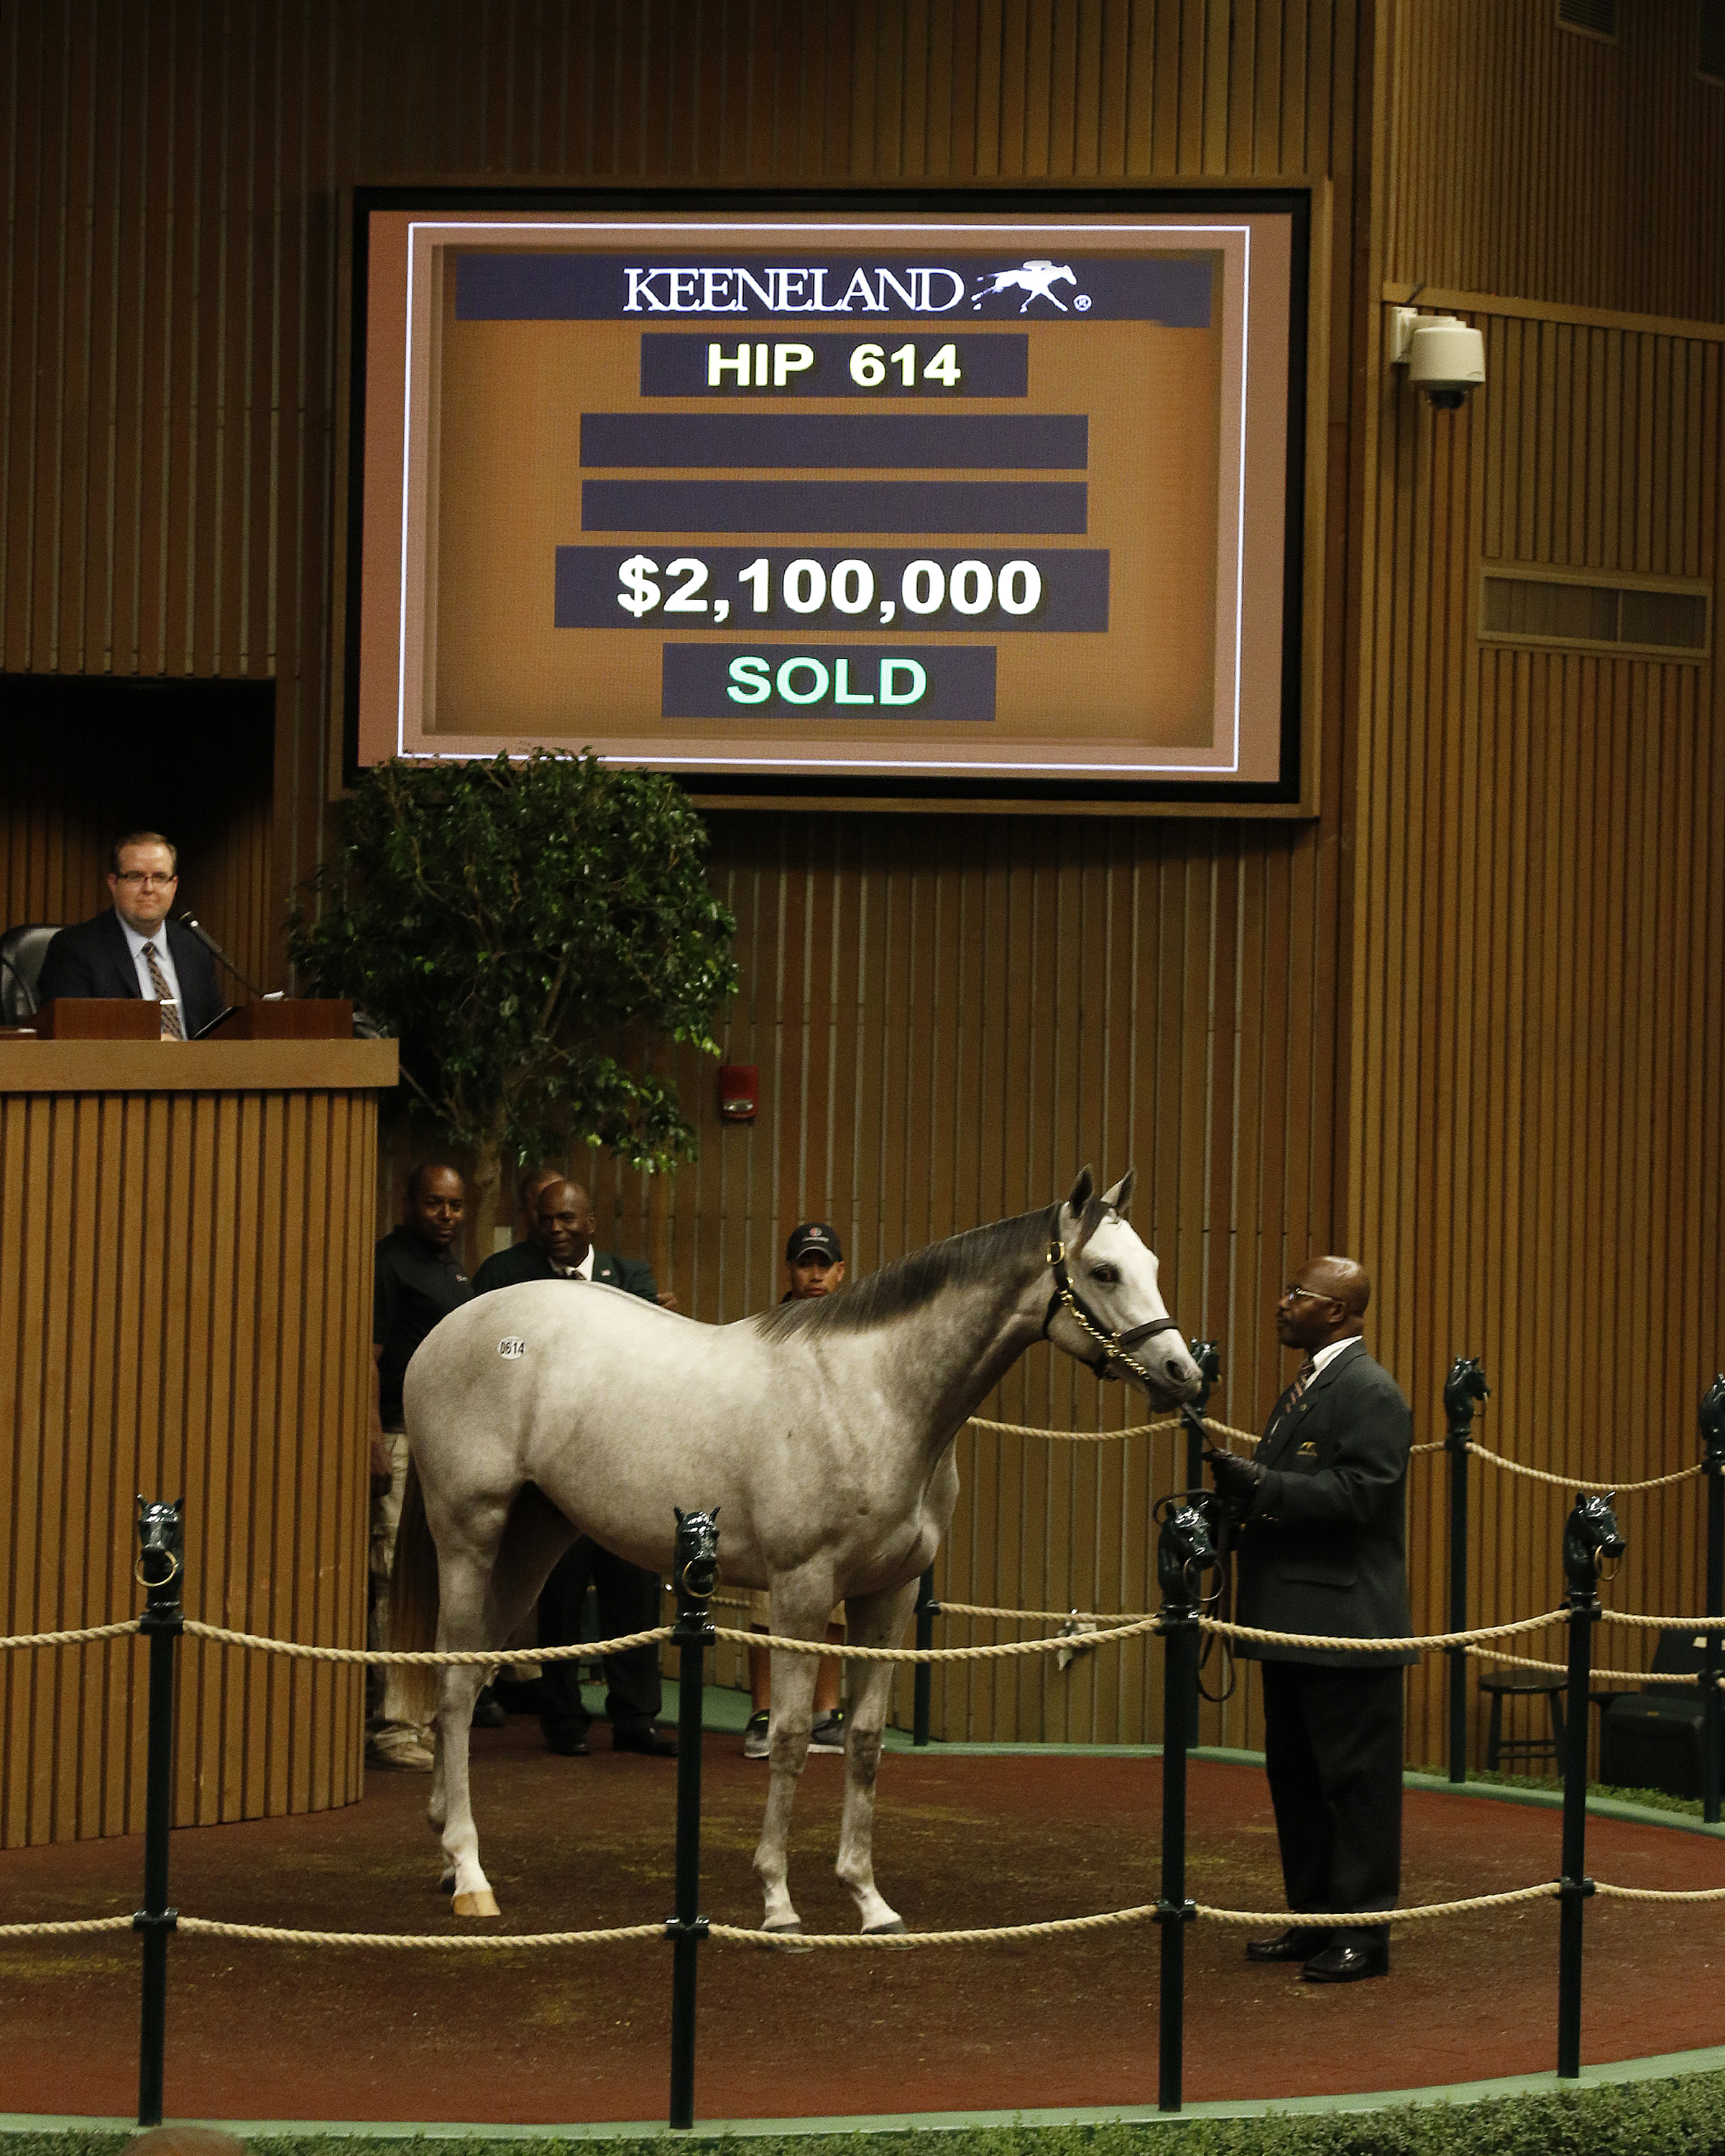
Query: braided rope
(1663, 1623)
(1334, 1920)
(1378, 1647)
(945, 1608)
(66, 1930)
(1573, 1482)
(977, 1935)
(462, 1942)
(1562, 1669)
(468, 1658)
(1072, 1436)
(1660, 1893)
(72, 1639)
(1132, 1630)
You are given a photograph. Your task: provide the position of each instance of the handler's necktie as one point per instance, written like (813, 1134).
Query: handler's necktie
(1290, 1398)
(172, 1029)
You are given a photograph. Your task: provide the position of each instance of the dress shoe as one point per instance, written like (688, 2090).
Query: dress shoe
(488, 1711)
(1347, 1964)
(655, 1743)
(567, 1743)
(1285, 1946)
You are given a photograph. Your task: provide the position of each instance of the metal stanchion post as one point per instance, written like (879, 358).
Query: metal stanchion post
(1590, 1534)
(161, 1555)
(1464, 1389)
(1208, 1356)
(1713, 1661)
(926, 1611)
(695, 1574)
(1184, 1549)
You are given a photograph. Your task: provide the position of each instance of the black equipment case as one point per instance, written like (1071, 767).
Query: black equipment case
(1651, 1739)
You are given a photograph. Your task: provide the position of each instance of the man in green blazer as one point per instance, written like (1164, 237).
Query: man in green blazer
(1322, 1508)
(559, 1246)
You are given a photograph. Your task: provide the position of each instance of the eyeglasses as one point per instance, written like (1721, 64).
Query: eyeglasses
(144, 880)
(1293, 1293)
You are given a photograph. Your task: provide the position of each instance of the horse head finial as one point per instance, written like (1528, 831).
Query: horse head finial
(1590, 1533)
(1465, 1390)
(162, 1541)
(697, 1554)
(1712, 1420)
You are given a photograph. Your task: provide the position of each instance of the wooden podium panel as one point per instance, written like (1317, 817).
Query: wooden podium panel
(186, 1237)
(99, 1018)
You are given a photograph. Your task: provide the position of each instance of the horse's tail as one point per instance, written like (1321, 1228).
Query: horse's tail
(413, 1603)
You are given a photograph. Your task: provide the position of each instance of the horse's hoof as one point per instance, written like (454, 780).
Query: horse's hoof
(883, 1931)
(482, 1904)
(790, 1934)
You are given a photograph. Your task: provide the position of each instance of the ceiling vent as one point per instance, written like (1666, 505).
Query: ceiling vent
(1581, 610)
(1591, 18)
(1709, 51)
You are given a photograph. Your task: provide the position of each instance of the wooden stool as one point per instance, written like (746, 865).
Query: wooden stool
(1523, 1683)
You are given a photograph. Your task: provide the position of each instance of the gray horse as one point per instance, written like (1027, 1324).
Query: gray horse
(821, 1432)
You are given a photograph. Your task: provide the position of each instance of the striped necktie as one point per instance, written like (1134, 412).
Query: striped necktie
(172, 1029)
(1290, 1398)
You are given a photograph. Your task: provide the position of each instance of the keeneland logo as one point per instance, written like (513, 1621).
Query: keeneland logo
(822, 289)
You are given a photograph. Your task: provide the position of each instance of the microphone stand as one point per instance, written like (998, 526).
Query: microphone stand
(190, 919)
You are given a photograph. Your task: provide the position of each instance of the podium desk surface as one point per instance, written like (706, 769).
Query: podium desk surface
(30, 1066)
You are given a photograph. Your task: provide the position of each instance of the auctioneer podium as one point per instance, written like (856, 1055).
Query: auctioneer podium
(185, 1237)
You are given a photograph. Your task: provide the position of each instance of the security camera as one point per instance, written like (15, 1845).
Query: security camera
(1443, 356)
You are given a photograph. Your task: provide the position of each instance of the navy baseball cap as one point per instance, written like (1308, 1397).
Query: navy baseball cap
(813, 1239)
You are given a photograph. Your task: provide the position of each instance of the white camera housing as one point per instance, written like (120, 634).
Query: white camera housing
(1445, 358)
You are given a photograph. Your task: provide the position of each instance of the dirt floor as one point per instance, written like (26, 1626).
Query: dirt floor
(260, 2032)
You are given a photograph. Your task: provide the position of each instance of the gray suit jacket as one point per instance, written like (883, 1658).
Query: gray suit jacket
(1324, 1547)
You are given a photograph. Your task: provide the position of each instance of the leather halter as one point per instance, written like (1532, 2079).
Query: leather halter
(1115, 1346)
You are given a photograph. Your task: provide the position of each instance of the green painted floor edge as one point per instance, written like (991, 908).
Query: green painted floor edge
(1670, 2066)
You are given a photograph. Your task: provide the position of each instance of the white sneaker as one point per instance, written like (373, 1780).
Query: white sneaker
(756, 1737)
(828, 1736)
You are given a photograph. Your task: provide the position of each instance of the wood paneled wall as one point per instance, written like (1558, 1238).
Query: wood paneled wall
(1349, 1031)
(1536, 1122)
(184, 1311)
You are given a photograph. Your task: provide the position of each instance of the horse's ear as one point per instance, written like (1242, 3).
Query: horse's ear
(1121, 1196)
(1082, 1192)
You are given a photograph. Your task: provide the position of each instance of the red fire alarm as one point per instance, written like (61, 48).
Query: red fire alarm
(739, 1091)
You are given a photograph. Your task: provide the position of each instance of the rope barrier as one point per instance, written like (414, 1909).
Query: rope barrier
(1663, 1623)
(382, 1658)
(1107, 1436)
(1378, 1647)
(1562, 1669)
(1660, 1893)
(1573, 1482)
(66, 1930)
(1333, 1920)
(77, 1639)
(942, 1608)
(1138, 1625)
(463, 1942)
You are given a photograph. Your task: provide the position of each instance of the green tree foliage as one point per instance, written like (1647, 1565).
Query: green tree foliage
(504, 921)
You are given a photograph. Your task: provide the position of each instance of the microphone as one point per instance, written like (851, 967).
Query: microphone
(191, 920)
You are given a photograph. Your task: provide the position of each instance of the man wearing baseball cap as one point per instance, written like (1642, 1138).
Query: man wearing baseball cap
(814, 1265)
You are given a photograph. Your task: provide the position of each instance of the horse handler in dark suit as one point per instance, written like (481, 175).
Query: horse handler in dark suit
(559, 1246)
(133, 949)
(1320, 1508)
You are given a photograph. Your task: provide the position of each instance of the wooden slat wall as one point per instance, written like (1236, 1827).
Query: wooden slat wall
(1537, 1120)
(953, 1011)
(184, 1280)
(1526, 159)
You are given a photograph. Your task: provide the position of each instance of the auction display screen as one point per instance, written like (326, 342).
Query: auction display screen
(940, 501)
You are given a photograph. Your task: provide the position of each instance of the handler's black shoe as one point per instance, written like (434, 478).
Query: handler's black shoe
(642, 1737)
(1347, 1964)
(1285, 1946)
(567, 1743)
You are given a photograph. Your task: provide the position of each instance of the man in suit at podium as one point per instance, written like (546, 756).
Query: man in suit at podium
(133, 949)
(1322, 1510)
(559, 1246)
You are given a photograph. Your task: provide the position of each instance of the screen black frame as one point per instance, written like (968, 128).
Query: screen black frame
(842, 791)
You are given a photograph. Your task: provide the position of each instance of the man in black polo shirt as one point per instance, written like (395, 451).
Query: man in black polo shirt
(559, 1246)
(418, 1281)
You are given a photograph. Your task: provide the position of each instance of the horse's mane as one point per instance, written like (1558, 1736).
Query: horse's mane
(908, 1282)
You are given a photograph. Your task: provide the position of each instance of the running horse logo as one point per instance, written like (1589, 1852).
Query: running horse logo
(1036, 281)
